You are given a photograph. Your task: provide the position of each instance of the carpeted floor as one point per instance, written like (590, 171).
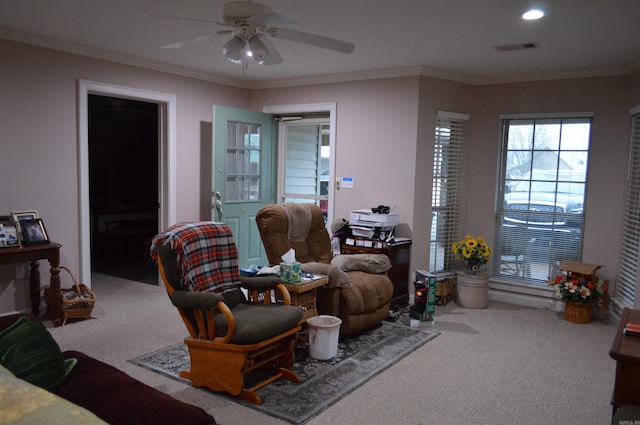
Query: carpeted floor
(506, 364)
(324, 382)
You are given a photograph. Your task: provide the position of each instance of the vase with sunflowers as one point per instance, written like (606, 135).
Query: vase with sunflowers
(474, 252)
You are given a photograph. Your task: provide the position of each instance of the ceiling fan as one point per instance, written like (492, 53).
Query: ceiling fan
(251, 26)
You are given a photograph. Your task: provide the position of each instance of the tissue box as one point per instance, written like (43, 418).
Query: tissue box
(290, 272)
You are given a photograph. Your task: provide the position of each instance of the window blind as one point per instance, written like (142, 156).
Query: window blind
(447, 188)
(539, 220)
(628, 266)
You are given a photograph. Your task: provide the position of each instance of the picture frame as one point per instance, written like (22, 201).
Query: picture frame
(24, 215)
(33, 231)
(9, 236)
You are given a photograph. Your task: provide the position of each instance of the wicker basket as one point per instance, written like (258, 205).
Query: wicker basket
(78, 305)
(578, 312)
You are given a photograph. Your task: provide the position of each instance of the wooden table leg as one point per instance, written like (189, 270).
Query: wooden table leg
(34, 287)
(55, 301)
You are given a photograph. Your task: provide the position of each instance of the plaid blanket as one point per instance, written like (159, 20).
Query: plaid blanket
(207, 256)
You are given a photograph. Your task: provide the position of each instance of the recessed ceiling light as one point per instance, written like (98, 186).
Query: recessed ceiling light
(533, 14)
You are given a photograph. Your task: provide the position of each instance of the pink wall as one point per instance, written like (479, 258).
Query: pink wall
(384, 141)
(609, 99)
(376, 138)
(38, 159)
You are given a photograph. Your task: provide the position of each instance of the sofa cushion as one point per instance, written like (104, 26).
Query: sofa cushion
(24, 403)
(29, 351)
(119, 399)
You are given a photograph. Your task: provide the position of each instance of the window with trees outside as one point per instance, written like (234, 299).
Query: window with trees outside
(541, 200)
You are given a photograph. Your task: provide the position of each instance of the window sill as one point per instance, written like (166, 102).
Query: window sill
(531, 295)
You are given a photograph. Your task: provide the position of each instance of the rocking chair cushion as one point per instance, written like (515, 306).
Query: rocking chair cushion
(258, 322)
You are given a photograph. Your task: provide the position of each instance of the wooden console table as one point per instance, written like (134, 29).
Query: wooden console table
(625, 350)
(31, 255)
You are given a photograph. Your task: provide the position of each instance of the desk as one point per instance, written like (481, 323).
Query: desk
(303, 294)
(625, 350)
(31, 255)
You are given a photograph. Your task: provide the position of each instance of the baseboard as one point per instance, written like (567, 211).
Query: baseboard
(522, 299)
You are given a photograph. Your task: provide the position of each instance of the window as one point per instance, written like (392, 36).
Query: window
(447, 188)
(541, 196)
(628, 267)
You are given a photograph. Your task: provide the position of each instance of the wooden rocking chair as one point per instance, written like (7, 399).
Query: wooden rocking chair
(230, 336)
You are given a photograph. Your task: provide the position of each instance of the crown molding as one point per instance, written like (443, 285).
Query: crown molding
(118, 57)
(411, 71)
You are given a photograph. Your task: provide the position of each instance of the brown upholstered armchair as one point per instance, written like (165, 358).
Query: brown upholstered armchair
(359, 291)
(229, 336)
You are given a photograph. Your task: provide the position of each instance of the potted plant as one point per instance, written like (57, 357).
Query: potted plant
(472, 288)
(580, 292)
(474, 252)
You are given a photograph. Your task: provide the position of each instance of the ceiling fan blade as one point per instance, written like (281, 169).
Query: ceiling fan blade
(274, 57)
(273, 19)
(312, 39)
(194, 40)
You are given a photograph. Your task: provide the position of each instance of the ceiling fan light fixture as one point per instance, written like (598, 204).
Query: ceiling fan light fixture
(259, 50)
(233, 49)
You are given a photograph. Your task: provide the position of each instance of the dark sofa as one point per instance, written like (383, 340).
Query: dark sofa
(116, 397)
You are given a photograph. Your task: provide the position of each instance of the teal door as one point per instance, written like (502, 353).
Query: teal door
(243, 176)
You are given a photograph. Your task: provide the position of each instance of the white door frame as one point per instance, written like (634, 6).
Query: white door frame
(167, 158)
(316, 107)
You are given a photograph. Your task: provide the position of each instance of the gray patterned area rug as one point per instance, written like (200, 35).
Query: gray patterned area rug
(324, 382)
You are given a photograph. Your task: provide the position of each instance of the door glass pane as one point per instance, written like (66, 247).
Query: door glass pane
(243, 162)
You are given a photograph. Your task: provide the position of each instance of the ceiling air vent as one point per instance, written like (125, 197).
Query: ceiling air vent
(520, 46)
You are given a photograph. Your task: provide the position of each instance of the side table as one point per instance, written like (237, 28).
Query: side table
(31, 254)
(303, 294)
(625, 350)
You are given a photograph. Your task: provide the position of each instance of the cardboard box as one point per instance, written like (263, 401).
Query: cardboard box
(581, 268)
(290, 272)
(444, 288)
(424, 307)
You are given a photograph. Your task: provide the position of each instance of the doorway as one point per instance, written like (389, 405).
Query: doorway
(328, 136)
(166, 159)
(123, 185)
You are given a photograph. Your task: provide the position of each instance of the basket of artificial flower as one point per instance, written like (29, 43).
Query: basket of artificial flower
(474, 252)
(579, 287)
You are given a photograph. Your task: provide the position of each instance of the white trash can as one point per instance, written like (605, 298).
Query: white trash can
(324, 332)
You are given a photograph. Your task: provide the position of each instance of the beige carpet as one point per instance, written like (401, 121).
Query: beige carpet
(503, 365)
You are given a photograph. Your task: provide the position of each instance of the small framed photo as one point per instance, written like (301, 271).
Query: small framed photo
(9, 234)
(33, 231)
(24, 215)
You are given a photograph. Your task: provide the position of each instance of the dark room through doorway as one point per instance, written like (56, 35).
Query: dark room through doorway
(123, 185)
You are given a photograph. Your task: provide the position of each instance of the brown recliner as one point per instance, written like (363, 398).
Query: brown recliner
(359, 291)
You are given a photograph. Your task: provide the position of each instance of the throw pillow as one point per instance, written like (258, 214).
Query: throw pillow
(370, 263)
(29, 351)
(23, 403)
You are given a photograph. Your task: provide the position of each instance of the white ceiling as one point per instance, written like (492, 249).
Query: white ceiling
(452, 39)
